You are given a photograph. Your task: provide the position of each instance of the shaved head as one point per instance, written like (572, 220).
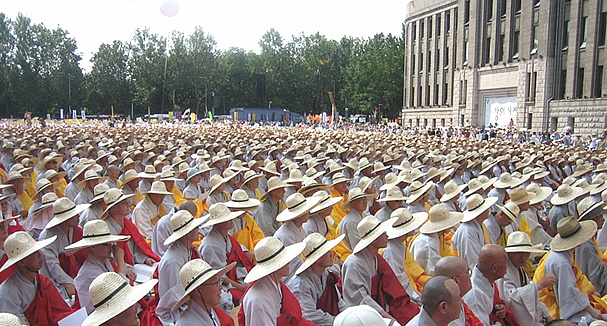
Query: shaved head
(456, 269)
(189, 206)
(493, 262)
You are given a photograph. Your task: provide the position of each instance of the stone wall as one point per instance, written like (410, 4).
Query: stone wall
(588, 116)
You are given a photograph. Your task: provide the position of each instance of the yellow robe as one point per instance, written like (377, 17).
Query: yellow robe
(337, 214)
(29, 184)
(177, 196)
(27, 202)
(251, 234)
(417, 275)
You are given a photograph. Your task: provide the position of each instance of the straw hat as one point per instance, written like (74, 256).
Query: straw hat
(312, 173)
(112, 197)
(486, 181)
(440, 219)
(7, 319)
(20, 245)
(297, 205)
(370, 228)
(158, 187)
(405, 222)
(52, 157)
(520, 242)
(364, 163)
(219, 213)
(507, 181)
(325, 201)
(240, 200)
(93, 233)
(511, 210)
(237, 166)
(541, 193)
(355, 193)
(131, 175)
(47, 200)
(41, 185)
(365, 182)
(273, 184)
(519, 195)
(270, 167)
(418, 190)
(111, 294)
(216, 181)
(476, 205)
(295, 176)
(572, 233)
(192, 172)
(148, 173)
(271, 255)
(251, 175)
(316, 247)
(13, 176)
(391, 179)
(182, 223)
(129, 161)
(167, 175)
(64, 209)
(339, 178)
(599, 184)
(362, 315)
(393, 194)
(379, 167)
(99, 191)
(565, 193)
(194, 273)
(451, 190)
(50, 174)
(589, 208)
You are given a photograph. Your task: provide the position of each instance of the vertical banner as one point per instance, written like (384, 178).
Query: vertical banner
(61, 114)
(112, 107)
(74, 115)
(48, 116)
(193, 117)
(82, 115)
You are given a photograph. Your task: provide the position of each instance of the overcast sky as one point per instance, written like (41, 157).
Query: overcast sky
(236, 23)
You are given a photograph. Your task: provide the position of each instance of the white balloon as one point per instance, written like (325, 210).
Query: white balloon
(169, 8)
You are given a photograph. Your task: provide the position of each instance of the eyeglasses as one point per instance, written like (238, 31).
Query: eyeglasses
(216, 282)
(469, 274)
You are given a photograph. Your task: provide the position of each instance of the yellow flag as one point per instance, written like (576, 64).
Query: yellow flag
(112, 111)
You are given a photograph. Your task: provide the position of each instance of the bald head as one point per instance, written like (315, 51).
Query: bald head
(456, 269)
(435, 291)
(189, 206)
(492, 262)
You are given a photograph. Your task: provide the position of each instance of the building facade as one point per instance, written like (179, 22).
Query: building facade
(537, 64)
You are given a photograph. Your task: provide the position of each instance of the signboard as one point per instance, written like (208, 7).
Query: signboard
(500, 111)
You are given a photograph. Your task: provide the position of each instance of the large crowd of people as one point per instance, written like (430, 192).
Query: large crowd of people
(231, 224)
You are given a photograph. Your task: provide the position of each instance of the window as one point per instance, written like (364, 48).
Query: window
(411, 97)
(503, 8)
(435, 94)
(413, 65)
(487, 51)
(501, 48)
(438, 25)
(465, 53)
(534, 38)
(529, 119)
(489, 9)
(528, 87)
(554, 123)
(533, 86)
(446, 56)
(448, 21)
(414, 31)
(429, 62)
(442, 122)
(421, 30)
(598, 82)
(437, 61)
(565, 35)
(419, 96)
(466, 11)
(536, 3)
(514, 45)
(602, 29)
(580, 83)
(517, 6)
(571, 123)
(563, 84)
(445, 87)
(428, 95)
(461, 92)
(429, 27)
(583, 29)
(465, 94)
(421, 62)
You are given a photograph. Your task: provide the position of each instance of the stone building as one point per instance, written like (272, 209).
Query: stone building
(538, 64)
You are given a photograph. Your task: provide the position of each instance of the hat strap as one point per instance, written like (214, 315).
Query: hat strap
(520, 245)
(184, 225)
(403, 223)
(509, 211)
(67, 210)
(586, 210)
(240, 200)
(579, 227)
(87, 236)
(111, 295)
(373, 229)
(298, 204)
(479, 205)
(197, 278)
(316, 249)
(271, 256)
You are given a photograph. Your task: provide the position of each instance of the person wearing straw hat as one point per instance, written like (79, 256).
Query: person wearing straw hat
(451, 197)
(59, 267)
(271, 205)
(251, 183)
(103, 256)
(246, 230)
(560, 201)
(442, 303)
(393, 200)
(72, 190)
(314, 285)
(130, 188)
(588, 256)
(4, 233)
(362, 315)
(193, 189)
(28, 294)
(471, 236)
(136, 250)
(268, 301)
(572, 296)
(147, 212)
(355, 205)
(7, 319)
(497, 226)
(163, 228)
(429, 245)
(175, 198)
(113, 172)
(293, 217)
(366, 266)
(520, 296)
(217, 193)
(180, 251)
(395, 253)
(95, 210)
(39, 218)
(339, 186)
(202, 295)
(148, 176)
(21, 201)
(181, 171)
(505, 181)
(418, 199)
(115, 301)
(541, 232)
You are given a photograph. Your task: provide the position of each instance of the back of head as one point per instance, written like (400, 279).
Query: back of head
(450, 266)
(435, 291)
(489, 255)
(190, 206)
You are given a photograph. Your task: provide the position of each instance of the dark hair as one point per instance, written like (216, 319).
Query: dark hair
(434, 293)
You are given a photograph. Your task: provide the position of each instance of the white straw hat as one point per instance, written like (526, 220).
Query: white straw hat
(99, 191)
(391, 179)
(240, 200)
(589, 209)
(93, 233)
(7, 319)
(476, 205)
(216, 181)
(159, 188)
(572, 233)
(194, 273)
(112, 197)
(339, 178)
(41, 185)
(418, 190)
(47, 201)
(219, 213)
(362, 315)
(182, 223)
(519, 195)
(148, 173)
(20, 245)
(393, 193)
(273, 184)
(355, 193)
(541, 193)
(130, 175)
(64, 209)
(405, 222)
(520, 242)
(326, 201)
(365, 182)
(565, 193)
(88, 176)
(511, 210)
(370, 228)
(507, 181)
(451, 190)
(297, 205)
(111, 294)
(316, 247)
(440, 219)
(271, 255)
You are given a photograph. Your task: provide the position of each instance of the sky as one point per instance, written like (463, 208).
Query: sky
(233, 23)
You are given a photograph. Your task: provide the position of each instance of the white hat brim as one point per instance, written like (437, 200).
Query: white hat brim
(89, 242)
(291, 214)
(576, 192)
(186, 296)
(323, 249)
(58, 219)
(488, 202)
(39, 245)
(225, 218)
(416, 221)
(585, 233)
(329, 202)
(176, 235)
(262, 269)
(432, 227)
(366, 241)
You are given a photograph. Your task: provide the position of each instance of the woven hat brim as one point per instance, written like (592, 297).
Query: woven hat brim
(253, 177)
(556, 200)
(599, 189)
(186, 296)
(270, 171)
(585, 233)
(328, 246)
(487, 168)
(537, 249)
(151, 191)
(509, 214)
(422, 191)
(329, 203)
(39, 245)
(432, 227)
(146, 175)
(417, 220)
(341, 181)
(391, 184)
(122, 198)
(469, 216)
(266, 268)
(250, 203)
(472, 190)
(449, 196)
(525, 199)
(502, 185)
(288, 215)
(593, 212)
(89, 242)
(313, 188)
(176, 235)
(58, 219)
(346, 205)
(106, 312)
(544, 193)
(225, 218)
(282, 185)
(540, 175)
(366, 241)
(82, 183)
(385, 199)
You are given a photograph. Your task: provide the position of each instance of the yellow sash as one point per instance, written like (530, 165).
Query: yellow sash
(177, 196)
(524, 227)
(417, 275)
(337, 214)
(29, 184)
(250, 235)
(27, 203)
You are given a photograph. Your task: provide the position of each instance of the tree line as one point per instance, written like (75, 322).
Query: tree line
(40, 72)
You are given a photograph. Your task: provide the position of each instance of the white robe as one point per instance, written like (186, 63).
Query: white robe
(162, 230)
(51, 267)
(262, 303)
(426, 251)
(468, 240)
(17, 294)
(356, 273)
(265, 216)
(142, 216)
(394, 254)
(538, 234)
(87, 273)
(349, 227)
(421, 319)
(170, 288)
(480, 298)
(195, 315)
(290, 234)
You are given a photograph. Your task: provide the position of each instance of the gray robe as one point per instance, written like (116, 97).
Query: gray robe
(356, 273)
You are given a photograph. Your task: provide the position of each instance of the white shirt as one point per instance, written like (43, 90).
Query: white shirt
(480, 298)
(468, 240)
(142, 216)
(426, 251)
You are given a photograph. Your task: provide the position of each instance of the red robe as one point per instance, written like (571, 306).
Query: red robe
(509, 320)
(48, 307)
(130, 229)
(386, 289)
(71, 264)
(224, 319)
(471, 319)
(239, 256)
(7, 272)
(329, 300)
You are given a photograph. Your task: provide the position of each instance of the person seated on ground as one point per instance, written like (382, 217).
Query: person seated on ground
(251, 183)
(587, 255)
(217, 193)
(6, 210)
(95, 210)
(58, 267)
(441, 302)
(521, 296)
(541, 232)
(163, 228)
(87, 186)
(4, 233)
(496, 225)
(113, 172)
(314, 285)
(202, 295)
(130, 188)
(104, 256)
(180, 251)
(393, 200)
(20, 201)
(340, 185)
(270, 206)
(245, 230)
(362, 315)
(146, 213)
(193, 190)
(28, 294)
(396, 251)
(116, 302)
(268, 301)
(452, 195)
(146, 177)
(368, 279)
(355, 205)
(37, 218)
(176, 198)
(484, 298)
(420, 193)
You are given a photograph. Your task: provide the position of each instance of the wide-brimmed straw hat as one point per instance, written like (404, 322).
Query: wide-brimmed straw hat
(194, 273)
(50, 174)
(41, 185)
(339, 178)
(565, 193)
(240, 200)
(507, 181)
(600, 185)
(64, 209)
(370, 228)
(541, 193)
(440, 219)
(473, 186)
(159, 188)
(167, 175)
(8, 319)
(47, 201)
(418, 190)
(589, 209)
(112, 197)
(476, 205)
(519, 241)
(182, 223)
(129, 176)
(519, 195)
(393, 193)
(111, 294)
(250, 176)
(270, 168)
(297, 205)
(325, 201)
(405, 222)
(219, 213)
(148, 173)
(216, 181)
(271, 255)
(572, 233)
(15, 175)
(316, 247)
(451, 190)
(511, 210)
(362, 315)
(20, 245)
(355, 193)
(273, 184)
(93, 233)
(90, 175)
(391, 179)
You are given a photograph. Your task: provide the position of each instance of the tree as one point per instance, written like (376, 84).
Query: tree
(147, 65)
